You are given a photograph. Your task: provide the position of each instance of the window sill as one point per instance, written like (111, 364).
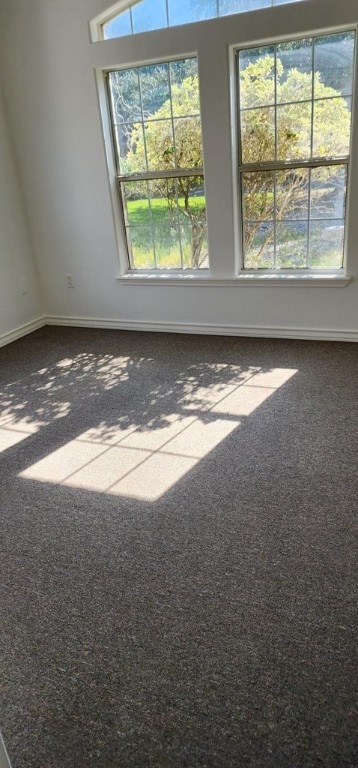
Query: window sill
(330, 280)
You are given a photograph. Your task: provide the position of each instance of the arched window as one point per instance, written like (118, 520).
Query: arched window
(130, 18)
(229, 140)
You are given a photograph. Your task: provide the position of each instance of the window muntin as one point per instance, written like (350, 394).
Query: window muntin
(156, 126)
(295, 104)
(147, 15)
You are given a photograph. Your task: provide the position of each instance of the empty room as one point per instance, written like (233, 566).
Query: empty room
(178, 383)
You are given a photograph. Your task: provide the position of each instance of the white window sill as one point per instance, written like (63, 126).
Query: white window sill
(308, 280)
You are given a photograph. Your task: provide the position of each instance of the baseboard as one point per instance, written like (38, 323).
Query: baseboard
(4, 757)
(270, 332)
(315, 334)
(22, 330)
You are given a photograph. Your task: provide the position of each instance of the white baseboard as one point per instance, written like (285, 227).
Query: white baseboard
(22, 330)
(4, 757)
(270, 332)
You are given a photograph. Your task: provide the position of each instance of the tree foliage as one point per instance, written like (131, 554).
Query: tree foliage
(173, 140)
(263, 200)
(262, 141)
(293, 95)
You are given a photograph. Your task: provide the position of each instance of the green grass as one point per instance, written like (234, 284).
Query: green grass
(291, 253)
(139, 212)
(162, 221)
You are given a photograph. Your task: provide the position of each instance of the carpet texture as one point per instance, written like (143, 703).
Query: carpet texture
(178, 551)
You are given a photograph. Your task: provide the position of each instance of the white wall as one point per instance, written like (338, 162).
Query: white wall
(17, 267)
(48, 64)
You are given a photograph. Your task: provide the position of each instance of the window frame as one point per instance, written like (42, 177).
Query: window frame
(121, 6)
(214, 43)
(123, 178)
(239, 167)
(96, 24)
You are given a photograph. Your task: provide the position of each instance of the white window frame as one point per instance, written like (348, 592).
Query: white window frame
(240, 167)
(96, 25)
(214, 43)
(148, 175)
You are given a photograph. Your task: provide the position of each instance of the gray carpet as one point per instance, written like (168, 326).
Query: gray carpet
(209, 623)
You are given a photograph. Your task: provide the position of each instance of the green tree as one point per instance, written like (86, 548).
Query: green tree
(291, 141)
(165, 152)
(261, 142)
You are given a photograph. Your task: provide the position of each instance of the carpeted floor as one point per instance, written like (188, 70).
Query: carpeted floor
(178, 551)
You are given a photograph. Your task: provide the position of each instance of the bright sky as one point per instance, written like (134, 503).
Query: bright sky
(151, 14)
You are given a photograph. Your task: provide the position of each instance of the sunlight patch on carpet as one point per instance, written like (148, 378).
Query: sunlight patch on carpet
(146, 461)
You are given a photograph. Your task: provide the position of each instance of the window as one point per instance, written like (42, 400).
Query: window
(156, 127)
(295, 106)
(146, 15)
(256, 186)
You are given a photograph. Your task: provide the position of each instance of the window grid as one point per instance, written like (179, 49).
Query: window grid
(306, 163)
(299, 101)
(147, 183)
(160, 119)
(309, 217)
(176, 158)
(174, 224)
(107, 33)
(274, 173)
(311, 148)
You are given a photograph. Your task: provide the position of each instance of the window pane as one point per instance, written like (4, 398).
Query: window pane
(184, 89)
(125, 96)
(167, 246)
(334, 61)
(294, 131)
(291, 245)
(287, 194)
(179, 71)
(294, 71)
(167, 223)
(258, 135)
(257, 77)
(192, 220)
(163, 200)
(258, 196)
(118, 27)
(188, 142)
(159, 142)
(194, 257)
(148, 14)
(294, 218)
(328, 192)
(326, 244)
(136, 204)
(292, 191)
(165, 217)
(154, 85)
(155, 94)
(228, 7)
(259, 245)
(151, 14)
(187, 11)
(331, 127)
(130, 146)
(141, 249)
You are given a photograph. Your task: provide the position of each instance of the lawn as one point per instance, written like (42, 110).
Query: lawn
(163, 223)
(325, 247)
